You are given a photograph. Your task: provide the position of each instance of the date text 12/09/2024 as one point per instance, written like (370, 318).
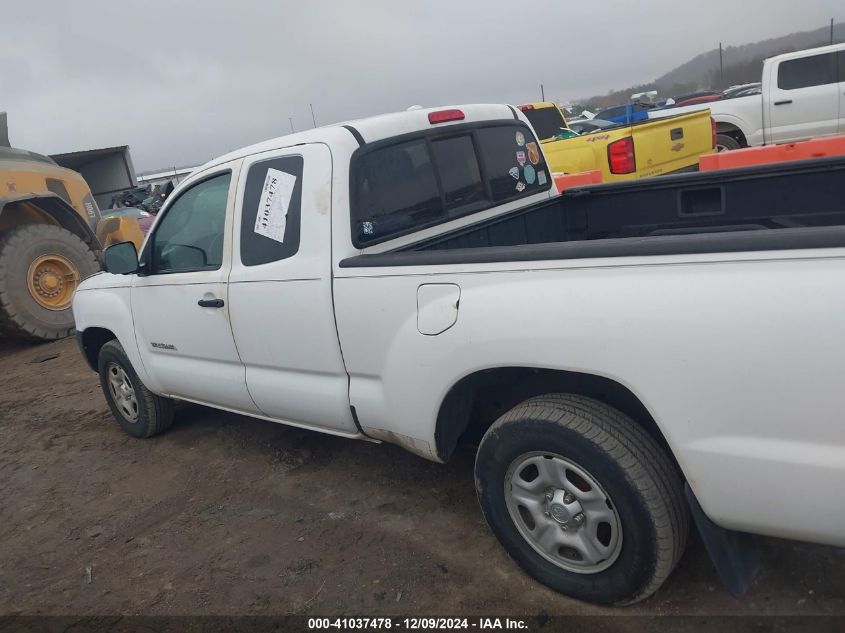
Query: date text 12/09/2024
(413, 624)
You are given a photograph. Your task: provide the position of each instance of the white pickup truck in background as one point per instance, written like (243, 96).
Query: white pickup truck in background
(803, 96)
(621, 354)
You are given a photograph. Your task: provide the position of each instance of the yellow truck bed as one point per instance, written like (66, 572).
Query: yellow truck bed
(626, 152)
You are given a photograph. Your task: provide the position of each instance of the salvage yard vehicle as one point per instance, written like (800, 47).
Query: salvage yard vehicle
(625, 152)
(48, 220)
(801, 98)
(626, 114)
(126, 224)
(626, 356)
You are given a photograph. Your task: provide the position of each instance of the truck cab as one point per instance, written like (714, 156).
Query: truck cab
(802, 97)
(804, 94)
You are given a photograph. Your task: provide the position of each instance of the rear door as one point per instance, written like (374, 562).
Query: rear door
(280, 290)
(803, 98)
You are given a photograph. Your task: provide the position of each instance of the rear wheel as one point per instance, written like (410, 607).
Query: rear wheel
(137, 410)
(41, 266)
(582, 498)
(725, 143)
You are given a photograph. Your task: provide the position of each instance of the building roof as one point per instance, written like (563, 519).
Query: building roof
(75, 160)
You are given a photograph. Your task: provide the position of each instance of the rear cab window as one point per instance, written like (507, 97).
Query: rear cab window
(547, 122)
(416, 181)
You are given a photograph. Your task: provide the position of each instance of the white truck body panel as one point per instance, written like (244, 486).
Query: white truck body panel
(629, 321)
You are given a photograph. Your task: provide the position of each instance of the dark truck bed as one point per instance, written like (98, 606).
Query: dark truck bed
(771, 207)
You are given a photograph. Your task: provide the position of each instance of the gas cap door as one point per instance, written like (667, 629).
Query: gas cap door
(437, 307)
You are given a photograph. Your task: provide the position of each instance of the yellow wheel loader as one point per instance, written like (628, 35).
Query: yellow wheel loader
(48, 243)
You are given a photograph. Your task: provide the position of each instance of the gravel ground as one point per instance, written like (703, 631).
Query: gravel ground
(229, 515)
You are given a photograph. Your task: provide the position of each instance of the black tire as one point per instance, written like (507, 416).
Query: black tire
(20, 314)
(636, 474)
(154, 413)
(725, 143)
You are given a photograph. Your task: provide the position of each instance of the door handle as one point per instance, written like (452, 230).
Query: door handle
(210, 303)
(784, 102)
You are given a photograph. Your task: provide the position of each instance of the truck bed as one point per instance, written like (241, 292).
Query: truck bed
(770, 207)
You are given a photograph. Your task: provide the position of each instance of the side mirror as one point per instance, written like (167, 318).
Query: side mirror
(121, 259)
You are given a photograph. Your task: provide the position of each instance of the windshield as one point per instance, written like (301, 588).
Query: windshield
(547, 122)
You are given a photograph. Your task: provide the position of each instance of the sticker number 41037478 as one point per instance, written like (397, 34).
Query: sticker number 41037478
(271, 218)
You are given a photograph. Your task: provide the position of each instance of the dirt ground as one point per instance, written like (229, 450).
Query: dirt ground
(229, 515)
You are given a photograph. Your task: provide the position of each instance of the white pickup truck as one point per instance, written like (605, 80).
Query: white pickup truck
(803, 96)
(621, 354)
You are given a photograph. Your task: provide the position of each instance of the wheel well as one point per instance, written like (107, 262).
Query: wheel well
(91, 341)
(46, 209)
(478, 400)
(728, 129)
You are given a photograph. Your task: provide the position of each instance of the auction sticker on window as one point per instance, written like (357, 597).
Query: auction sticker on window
(271, 219)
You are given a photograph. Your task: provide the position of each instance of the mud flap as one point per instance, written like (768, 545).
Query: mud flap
(734, 554)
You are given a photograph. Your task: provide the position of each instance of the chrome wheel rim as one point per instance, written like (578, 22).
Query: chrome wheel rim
(122, 392)
(563, 512)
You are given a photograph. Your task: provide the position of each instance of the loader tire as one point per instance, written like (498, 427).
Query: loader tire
(41, 265)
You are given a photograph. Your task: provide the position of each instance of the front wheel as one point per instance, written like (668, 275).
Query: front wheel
(137, 410)
(725, 143)
(582, 498)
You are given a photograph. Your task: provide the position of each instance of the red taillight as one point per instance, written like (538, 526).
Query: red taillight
(442, 116)
(713, 132)
(526, 108)
(620, 156)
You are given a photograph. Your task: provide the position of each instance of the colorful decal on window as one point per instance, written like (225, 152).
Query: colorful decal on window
(520, 186)
(533, 153)
(520, 138)
(514, 172)
(520, 158)
(271, 219)
(541, 177)
(529, 174)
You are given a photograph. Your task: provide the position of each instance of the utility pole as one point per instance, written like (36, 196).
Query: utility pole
(721, 69)
(290, 119)
(542, 93)
(831, 30)
(313, 118)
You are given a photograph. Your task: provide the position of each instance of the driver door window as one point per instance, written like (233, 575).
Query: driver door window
(190, 235)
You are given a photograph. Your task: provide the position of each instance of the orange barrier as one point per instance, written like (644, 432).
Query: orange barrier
(567, 181)
(801, 150)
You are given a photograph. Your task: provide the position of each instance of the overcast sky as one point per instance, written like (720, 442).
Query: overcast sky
(181, 82)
